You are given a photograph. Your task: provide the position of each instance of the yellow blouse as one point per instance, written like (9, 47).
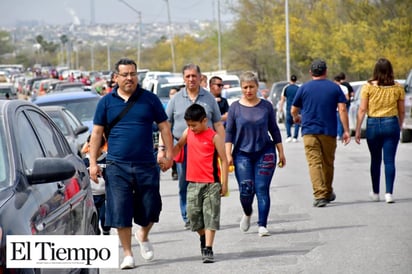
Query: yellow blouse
(382, 100)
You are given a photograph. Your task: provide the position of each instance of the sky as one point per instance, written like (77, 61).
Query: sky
(57, 12)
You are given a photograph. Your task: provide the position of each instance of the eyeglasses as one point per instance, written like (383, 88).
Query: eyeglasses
(219, 85)
(125, 75)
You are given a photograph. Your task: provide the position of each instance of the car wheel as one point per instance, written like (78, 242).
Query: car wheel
(406, 135)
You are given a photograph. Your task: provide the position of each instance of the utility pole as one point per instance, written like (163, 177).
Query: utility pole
(139, 35)
(171, 36)
(219, 36)
(287, 40)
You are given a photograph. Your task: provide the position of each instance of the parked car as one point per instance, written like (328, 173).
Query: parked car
(354, 107)
(406, 135)
(232, 94)
(44, 187)
(81, 104)
(72, 128)
(275, 96)
(7, 88)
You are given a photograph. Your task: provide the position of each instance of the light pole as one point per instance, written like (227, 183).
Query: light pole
(139, 35)
(287, 40)
(219, 36)
(172, 48)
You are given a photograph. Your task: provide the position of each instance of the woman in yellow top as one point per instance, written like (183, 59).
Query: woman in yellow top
(383, 100)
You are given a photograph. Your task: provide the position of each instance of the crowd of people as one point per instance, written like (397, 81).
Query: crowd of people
(201, 135)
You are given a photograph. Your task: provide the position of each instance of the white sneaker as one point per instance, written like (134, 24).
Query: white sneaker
(294, 140)
(263, 231)
(388, 198)
(289, 139)
(374, 197)
(146, 249)
(245, 223)
(128, 263)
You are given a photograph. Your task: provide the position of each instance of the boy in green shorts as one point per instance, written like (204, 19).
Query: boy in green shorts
(207, 180)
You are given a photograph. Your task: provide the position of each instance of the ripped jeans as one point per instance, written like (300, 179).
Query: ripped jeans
(254, 172)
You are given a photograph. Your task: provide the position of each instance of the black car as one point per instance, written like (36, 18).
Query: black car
(44, 187)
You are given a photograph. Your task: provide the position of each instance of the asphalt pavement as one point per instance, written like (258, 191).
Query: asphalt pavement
(350, 235)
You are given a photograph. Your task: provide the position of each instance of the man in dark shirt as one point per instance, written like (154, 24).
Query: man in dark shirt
(216, 85)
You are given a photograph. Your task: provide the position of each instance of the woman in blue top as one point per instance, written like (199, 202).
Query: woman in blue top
(252, 151)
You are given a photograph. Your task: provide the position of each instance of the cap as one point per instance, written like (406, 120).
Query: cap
(318, 67)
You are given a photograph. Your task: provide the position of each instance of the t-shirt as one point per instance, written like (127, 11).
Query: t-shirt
(318, 100)
(177, 106)
(202, 164)
(248, 128)
(131, 139)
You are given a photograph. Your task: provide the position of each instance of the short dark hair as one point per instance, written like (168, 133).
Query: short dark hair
(124, 61)
(195, 113)
(293, 78)
(213, 79)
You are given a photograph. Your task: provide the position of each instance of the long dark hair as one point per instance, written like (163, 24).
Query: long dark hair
(383, 73)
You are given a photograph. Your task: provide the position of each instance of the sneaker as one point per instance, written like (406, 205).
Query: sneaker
(207, 255)
(331, 197)
(245, 223)
(106, 232)
(128, 263)
(388, 198)
(262, 231)
(146, 249)
(320, 202)
(289, 139)
(374, 196)
(294, 140)
(187, 225)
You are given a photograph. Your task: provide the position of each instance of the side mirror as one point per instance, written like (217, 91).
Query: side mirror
(47, 170)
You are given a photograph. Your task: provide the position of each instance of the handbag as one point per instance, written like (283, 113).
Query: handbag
(130, 103)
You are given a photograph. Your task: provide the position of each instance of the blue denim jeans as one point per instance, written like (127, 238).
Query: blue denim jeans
(382, 135)
(289, 123)
(181, 174)
(254, 172)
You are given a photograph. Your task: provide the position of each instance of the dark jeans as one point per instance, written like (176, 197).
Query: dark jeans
(254, 172)
(100, 203)
(382, 136)
(289, 124)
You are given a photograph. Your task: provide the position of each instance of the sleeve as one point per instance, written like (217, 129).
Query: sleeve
(216, 117)
(230, 124)
(170, 109)
(100, 117)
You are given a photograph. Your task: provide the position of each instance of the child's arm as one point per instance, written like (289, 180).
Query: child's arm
(220, 147)
(180, 144)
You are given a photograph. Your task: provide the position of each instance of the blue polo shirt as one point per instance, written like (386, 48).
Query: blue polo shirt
(318, 100)
(130, 140)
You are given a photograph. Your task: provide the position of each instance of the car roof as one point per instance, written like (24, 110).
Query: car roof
(64, 96)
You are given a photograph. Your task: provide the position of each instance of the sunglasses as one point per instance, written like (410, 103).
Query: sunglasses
(219, 85)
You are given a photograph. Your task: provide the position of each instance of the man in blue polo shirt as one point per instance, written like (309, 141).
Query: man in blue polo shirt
(317, 101)
(132, 174)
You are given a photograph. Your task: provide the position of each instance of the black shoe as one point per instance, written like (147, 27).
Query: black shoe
(207, 255)
(331, 197)
(106, 232)
(174, 176)
(320, 202)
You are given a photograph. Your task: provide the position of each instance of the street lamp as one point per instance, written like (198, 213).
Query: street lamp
(287, 40)
(171, 36)
(139, 35)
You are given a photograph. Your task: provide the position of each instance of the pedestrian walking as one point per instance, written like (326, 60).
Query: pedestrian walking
(314, 107)
(190, 94)
(132, 186)
(345, 91)
(215, 87)
(384, 101)
(288, 95)
(207, 179)
(252, 151)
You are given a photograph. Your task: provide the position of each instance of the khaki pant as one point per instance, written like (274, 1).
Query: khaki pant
(320, 155)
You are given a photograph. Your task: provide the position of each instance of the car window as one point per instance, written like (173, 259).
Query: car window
(47, 134)
(4, 162)
(58, 120)
(73, 121)
(27, 143)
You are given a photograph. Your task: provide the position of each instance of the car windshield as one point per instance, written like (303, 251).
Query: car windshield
(84, 109)
(4, 163)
